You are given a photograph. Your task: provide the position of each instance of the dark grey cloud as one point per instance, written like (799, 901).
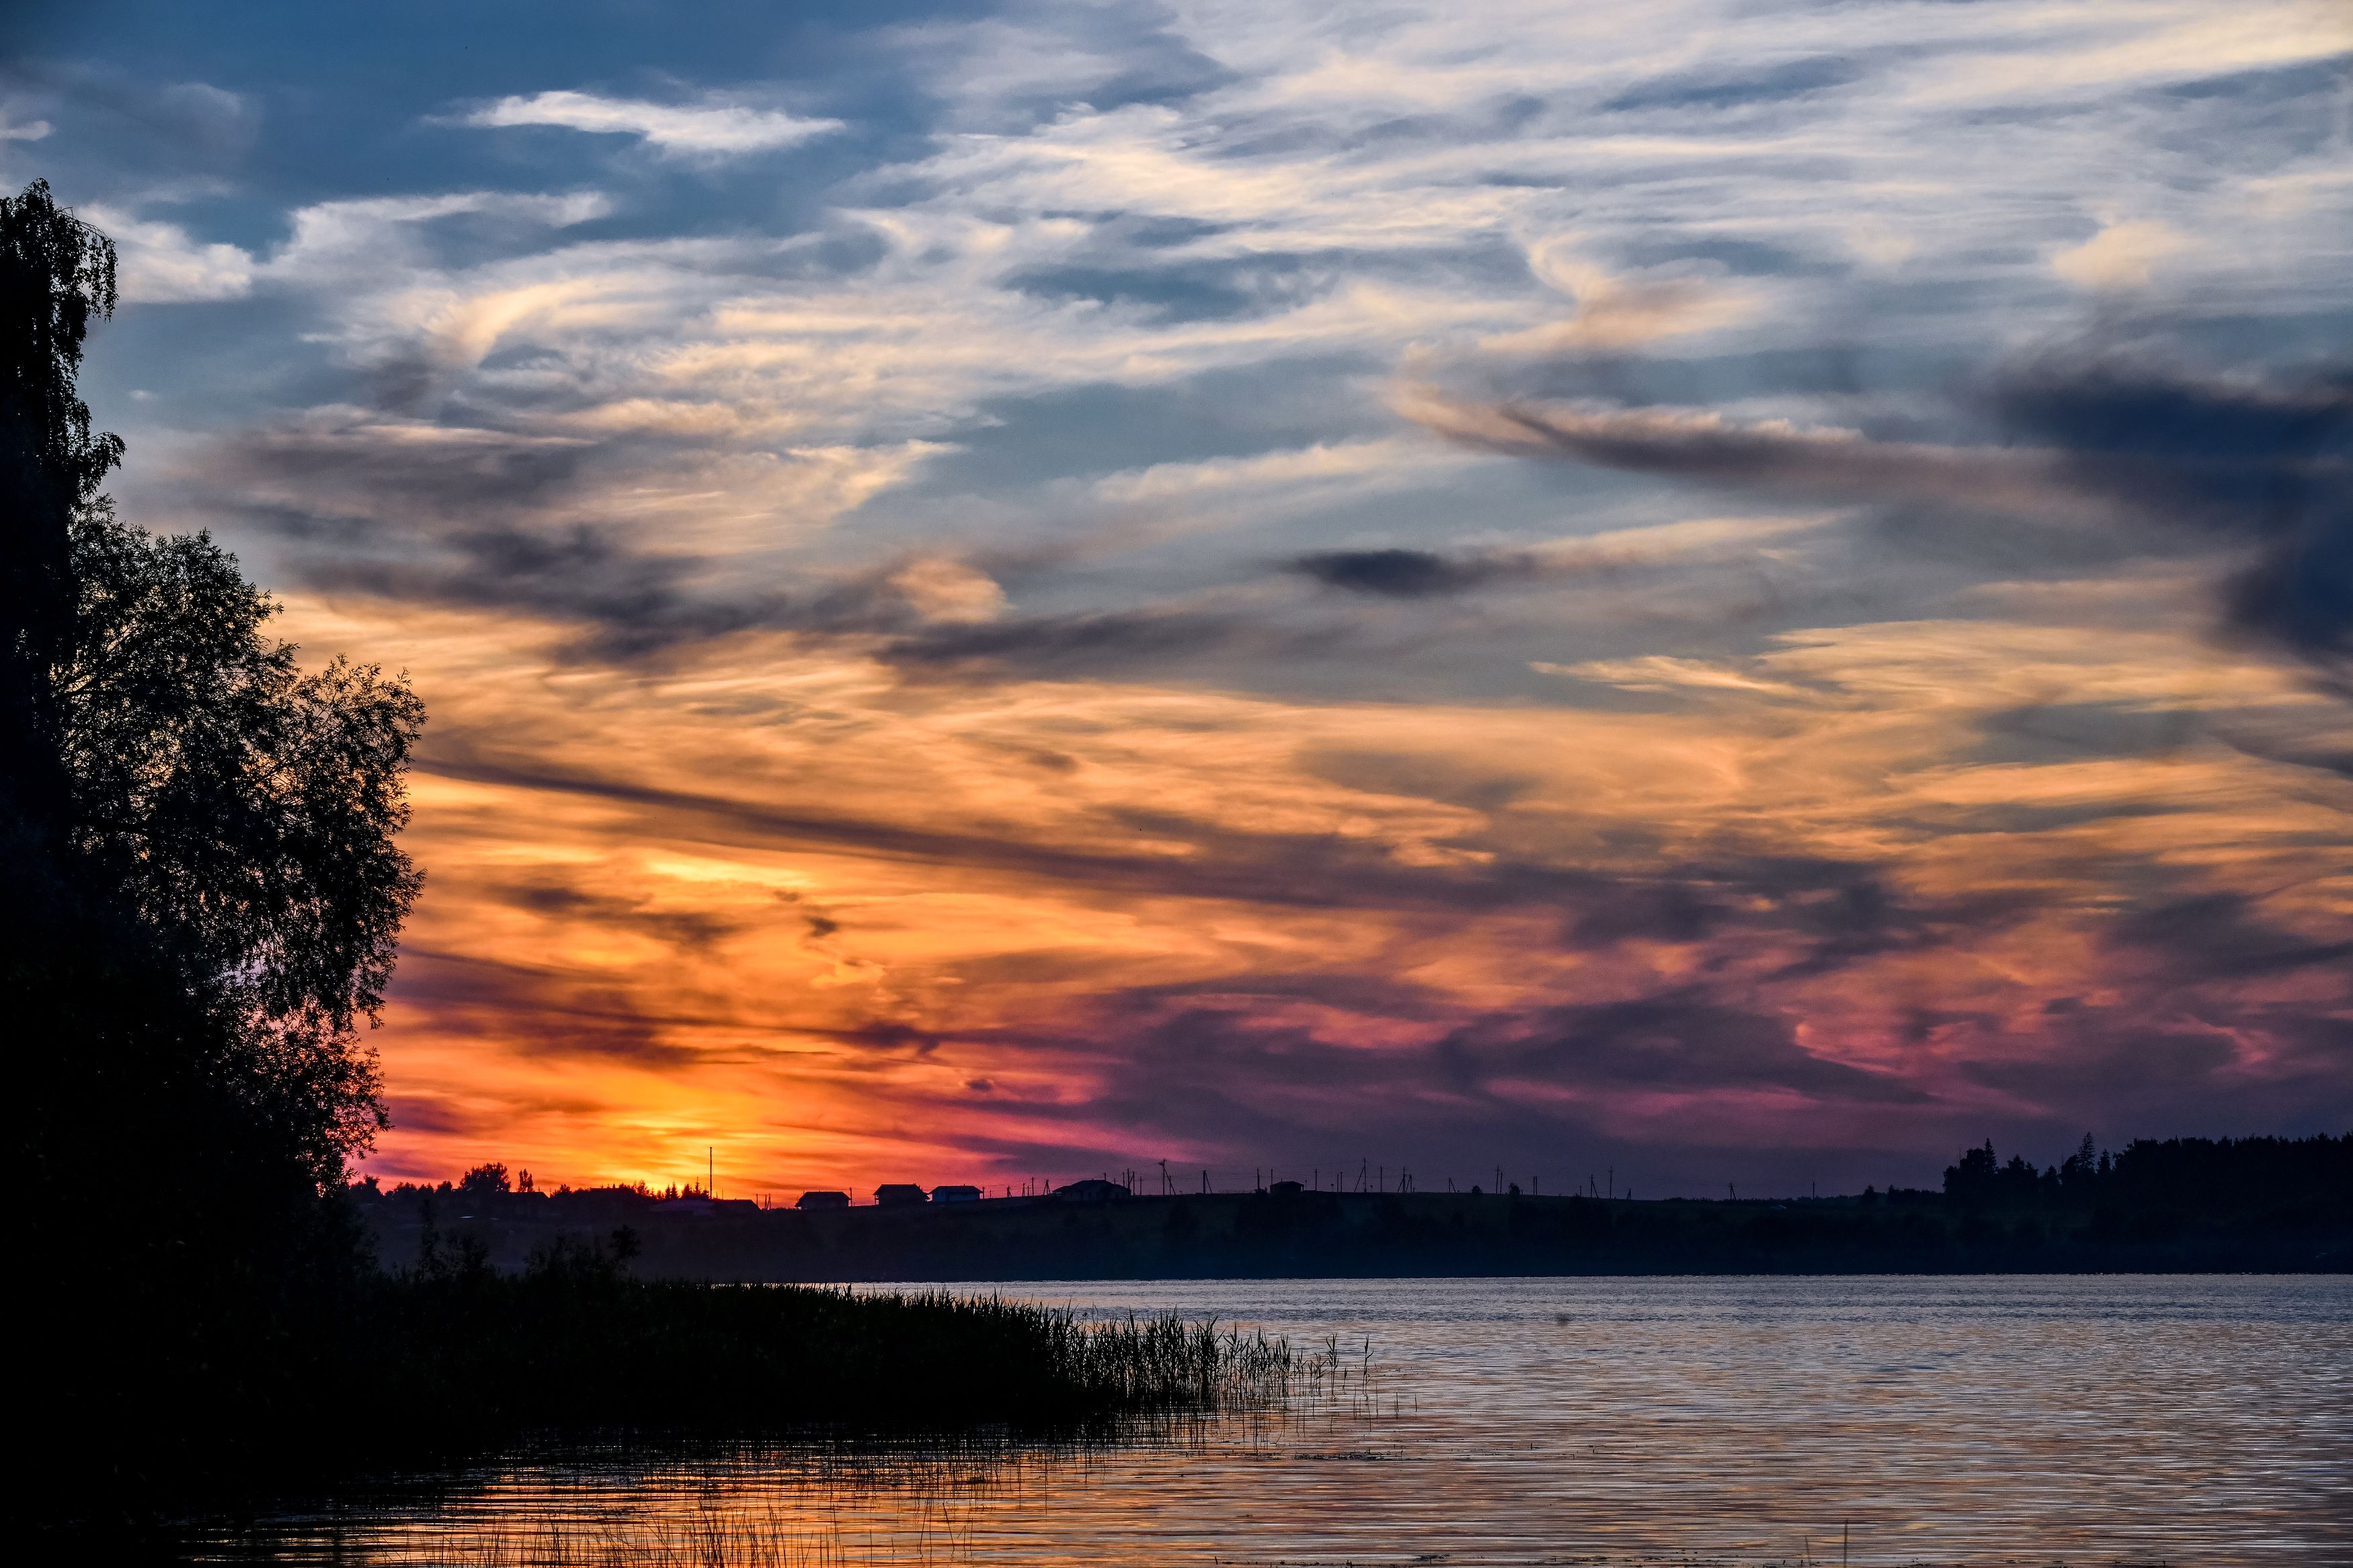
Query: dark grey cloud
(1397, 573)
(431, 1114)
(536, 1010)
(1823, 914)
(2221, 936)
(2059, 732)
(627, 604)
(1419, 776)
(1405, 573)
(2282, 742)
(2147, 456)
(355, 481)
(1080, 643)
(1677, 1039)
(1701, 445)
(688, 931)
(493, 1123)
(2267, 463)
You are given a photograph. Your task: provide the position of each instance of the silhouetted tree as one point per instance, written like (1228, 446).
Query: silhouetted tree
(199, 896)
(2079, 1172)
(1973, 1178)
(56, 273)
(244, 811)
(485, 1180)
(1980, 1179)
(172, 761)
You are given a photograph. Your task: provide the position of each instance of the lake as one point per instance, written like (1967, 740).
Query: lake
(2182, 1420)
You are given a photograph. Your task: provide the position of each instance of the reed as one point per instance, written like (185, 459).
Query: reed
(573, 1344)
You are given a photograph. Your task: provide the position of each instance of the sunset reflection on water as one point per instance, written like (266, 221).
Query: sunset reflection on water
(2205, 1420)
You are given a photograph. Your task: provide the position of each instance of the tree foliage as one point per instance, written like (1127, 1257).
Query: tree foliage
(55, 274)
(241, 809)
(178, 767)
(201, 888)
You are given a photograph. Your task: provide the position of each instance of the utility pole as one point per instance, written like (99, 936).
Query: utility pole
(710, 1173)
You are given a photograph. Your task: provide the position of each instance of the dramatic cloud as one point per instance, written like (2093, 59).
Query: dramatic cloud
(2260, 465)
(1258, 583)
(2263, 463)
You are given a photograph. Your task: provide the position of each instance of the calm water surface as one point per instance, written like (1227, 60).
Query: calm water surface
(2142, 1419)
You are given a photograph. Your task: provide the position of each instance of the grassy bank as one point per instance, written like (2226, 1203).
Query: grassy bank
(574, 1341)
(451, 1360)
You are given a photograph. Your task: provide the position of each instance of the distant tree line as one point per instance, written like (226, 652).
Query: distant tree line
(2243, 1174)
(2257, 1204)
(492, 1188)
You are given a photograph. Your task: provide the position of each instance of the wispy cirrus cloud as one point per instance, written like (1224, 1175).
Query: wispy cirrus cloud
(707, 129)
(955, 656)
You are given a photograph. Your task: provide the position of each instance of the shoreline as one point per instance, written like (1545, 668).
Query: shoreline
(1258, 1236)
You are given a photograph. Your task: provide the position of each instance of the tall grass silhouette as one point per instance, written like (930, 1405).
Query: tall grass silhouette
(575, 1345)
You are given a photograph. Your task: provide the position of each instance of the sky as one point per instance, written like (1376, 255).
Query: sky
(1719, 593)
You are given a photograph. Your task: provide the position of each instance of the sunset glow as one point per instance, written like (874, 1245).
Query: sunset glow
(1698, 591)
